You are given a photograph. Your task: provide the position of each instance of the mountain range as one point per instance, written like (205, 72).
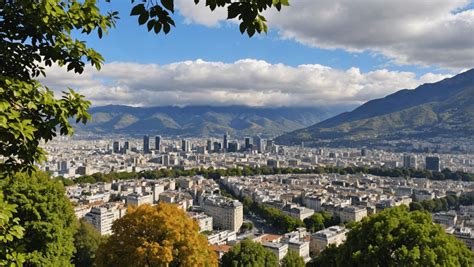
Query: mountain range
(441, 109)
(202, 120)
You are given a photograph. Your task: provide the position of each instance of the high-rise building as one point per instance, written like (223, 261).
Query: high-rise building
(432, 163)
(226, 141)
(248, 143)
(259, 145)
(116, 147)
(409, 161)
(209, 146)
(126, 145)
(158, 142)
(146, 144)
(101, 218)
(233, 146)
(270, 145)
(217, 146)
(185, 146)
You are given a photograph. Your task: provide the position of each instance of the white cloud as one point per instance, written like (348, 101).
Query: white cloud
(200, 13)
(244, 82)
(425, 32)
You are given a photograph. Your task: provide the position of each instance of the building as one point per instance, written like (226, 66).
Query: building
(126, 146)
(432, 164)
(233, 146)
(210, 147)
(116, 147)
(227, 214)
(314, 203)
(259, 145)
(146, 144)
(409, 161)
(158, 143)
(137, 199)
(204, 221)
(185, 145)
(465, 235)
(445, 218)
(352, 214)
(333, 235)
(278, 249)
(270, 146)
(101, 218)
(226, 141)
(248, 143)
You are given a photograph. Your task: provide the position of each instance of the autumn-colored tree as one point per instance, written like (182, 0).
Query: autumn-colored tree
(161, 235)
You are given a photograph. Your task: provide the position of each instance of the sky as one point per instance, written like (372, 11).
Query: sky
(316, 53)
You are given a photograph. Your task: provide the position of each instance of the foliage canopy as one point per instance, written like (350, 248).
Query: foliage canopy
(47, 217)
(161, 235)
(249, 253)
(397, 237)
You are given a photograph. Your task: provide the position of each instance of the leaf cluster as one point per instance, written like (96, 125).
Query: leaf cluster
(161, 235)
(249, 253)
(157, 16)
(397, 237)
(47, 217)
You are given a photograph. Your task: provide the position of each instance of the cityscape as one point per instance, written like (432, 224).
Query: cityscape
(236, 133)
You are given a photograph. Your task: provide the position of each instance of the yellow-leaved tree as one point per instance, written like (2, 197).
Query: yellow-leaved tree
(161, 235)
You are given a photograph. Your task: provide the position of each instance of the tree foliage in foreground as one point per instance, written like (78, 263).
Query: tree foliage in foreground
(10, 231)
(249, 253)
(161, 235)
(292, 259)
(397, 237)
(47, 217)
(86, 241)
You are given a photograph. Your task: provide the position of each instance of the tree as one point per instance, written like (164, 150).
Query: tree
(10, 231)
(161, 235)
(292, 259)
(46, 216)
(397, 237)
(249, 253)
(86, 241)
(315, 222)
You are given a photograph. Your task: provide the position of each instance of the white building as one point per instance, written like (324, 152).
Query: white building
(204, 221)
(101, 218)
(136, 199)
(333, 235)
(227, 214)
(352, 214)
(278, 249)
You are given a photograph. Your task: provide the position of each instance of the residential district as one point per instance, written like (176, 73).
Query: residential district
(349, 197)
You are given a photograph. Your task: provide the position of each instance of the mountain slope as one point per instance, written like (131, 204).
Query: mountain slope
(202, 120)
(444, 108)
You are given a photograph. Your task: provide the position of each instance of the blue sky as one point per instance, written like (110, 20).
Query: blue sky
(133, 43)
(317, 53)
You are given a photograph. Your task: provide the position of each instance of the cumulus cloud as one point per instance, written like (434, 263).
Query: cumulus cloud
(424, 32)
(244, 82)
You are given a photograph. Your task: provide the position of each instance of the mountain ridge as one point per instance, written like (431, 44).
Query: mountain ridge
(203, 120)
(442, 108)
